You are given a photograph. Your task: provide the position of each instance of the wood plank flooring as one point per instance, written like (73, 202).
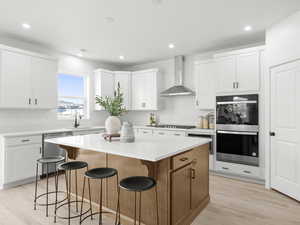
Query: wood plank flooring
(232, 203)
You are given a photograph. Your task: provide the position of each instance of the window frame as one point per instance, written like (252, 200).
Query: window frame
(85, 99)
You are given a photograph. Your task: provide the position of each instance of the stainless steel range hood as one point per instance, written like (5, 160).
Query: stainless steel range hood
(178, 89)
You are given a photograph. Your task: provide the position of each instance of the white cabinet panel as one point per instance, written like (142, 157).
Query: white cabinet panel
(104, 84)
(44, 83)
(15, 80)
(124, 79)
(248, 71)
(20, 162)
(225, 74)
(205, 84)
(145, 90)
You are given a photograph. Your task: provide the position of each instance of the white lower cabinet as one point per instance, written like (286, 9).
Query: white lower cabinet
(239, 169)
(19, 159)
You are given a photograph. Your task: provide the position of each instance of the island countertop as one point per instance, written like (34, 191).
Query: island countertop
(149, 148)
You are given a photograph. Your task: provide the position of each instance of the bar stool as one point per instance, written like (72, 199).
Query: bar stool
(140, 184)
(100, 174)
(68, 167)
(46, 161)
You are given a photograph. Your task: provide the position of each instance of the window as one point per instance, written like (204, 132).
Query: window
(72, 96)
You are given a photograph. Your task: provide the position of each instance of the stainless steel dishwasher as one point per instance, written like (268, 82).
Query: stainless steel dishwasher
(53, 150)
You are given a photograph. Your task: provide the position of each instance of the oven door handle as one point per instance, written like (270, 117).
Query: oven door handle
(235, 132)
(237, 102)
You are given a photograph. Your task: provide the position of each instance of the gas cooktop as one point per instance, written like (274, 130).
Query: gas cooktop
(174, 126)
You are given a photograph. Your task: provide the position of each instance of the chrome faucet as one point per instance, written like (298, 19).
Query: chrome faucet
(77, 120)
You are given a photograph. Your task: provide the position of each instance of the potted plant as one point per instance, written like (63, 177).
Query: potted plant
(114, 106)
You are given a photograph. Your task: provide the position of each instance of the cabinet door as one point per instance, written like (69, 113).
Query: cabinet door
(225, 74)
(199, 173)
(248, 71)
(124, 79)
(104, 85)
(44, 83)
(144, 90)
(15, 80)
(20, 162)
(181, 194)
(205, 84)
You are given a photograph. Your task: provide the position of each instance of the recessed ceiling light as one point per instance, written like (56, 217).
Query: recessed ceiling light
(109, 19)
(121, 57)
(247, 28)
(171, 45)
(26, 26)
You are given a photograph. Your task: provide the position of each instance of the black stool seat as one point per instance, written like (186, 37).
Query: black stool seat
(137, 183)
(51, 159)
(101, 173)
(73, 165)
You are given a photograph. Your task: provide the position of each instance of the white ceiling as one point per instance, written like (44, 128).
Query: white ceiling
(142, 29)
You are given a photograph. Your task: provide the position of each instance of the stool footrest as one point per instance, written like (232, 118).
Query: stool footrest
(93, 214)
(71, 217)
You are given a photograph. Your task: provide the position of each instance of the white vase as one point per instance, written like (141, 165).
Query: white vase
(112, 125)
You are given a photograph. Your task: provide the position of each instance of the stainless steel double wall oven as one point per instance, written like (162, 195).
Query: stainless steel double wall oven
(238, 129)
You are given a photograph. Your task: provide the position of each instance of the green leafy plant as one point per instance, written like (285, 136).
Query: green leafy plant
(113, 105)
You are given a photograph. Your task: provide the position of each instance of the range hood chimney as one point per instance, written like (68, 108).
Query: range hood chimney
(178, 89)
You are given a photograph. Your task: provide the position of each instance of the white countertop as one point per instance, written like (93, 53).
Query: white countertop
(44, 131)
(193, 131)
(150, 148)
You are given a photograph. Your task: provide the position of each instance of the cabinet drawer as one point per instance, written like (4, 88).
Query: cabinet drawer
(23, 140)
(243, 170)
(169, 132)
(145, 131)
(182, 159)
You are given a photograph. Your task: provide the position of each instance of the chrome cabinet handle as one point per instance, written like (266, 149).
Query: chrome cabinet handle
(161, 133)
(35, 101)
(29, 101)
(177, 134)
(225, 168)
(237, 84)
(233, 85)
(247, 171)
(25, 140)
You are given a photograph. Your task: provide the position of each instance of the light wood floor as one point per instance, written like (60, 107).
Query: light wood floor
(232, 203)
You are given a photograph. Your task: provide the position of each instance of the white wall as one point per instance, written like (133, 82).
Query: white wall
(282, 40)
(13, 120)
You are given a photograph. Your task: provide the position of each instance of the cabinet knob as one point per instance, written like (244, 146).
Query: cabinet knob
(143, 104)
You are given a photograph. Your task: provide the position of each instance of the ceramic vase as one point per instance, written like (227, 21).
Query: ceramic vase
(112, 125)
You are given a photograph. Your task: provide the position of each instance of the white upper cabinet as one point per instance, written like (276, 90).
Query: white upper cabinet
(145, 90)
(225, 74)
(15, 80)
(104, 84)
(238, 71)
(124, 79)
(43, 83)
(204, 73)
(27, 80)
(248, 71)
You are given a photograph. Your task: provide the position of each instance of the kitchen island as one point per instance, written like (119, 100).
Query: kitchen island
(179, 165)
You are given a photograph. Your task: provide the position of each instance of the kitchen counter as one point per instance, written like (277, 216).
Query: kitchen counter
(180, 166)
(193, 130)
(43, 131)
(150, 148)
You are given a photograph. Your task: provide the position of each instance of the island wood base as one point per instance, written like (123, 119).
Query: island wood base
(183, 184)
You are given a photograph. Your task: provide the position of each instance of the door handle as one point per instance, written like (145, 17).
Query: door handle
(233, 85)
(35, 101)
(29, 101)
(237, 84)
(193, 173)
